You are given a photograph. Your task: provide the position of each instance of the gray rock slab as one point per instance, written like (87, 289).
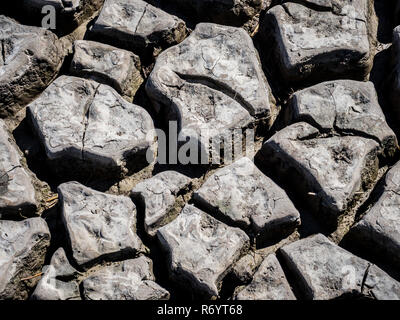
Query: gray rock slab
(320, 44)
(58, 280)
(157, 196)
(31, 58)
(345, 106)
(326, 271)
(115, 67)
(99, 226)
(243, 195)
(269, 283)
(201, 250)
(137, 26)
(23, 247)
(127, 280)
(328, 170)
(379, 229)
(17, 193)
(86, 125)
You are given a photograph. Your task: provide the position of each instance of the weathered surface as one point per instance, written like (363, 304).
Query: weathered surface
(137, 26)
(69, 13)
(234, 12)
(201, 250)
(86, 125)
(320, 44)
(269, 283)
(127, 280)
(115, 67)
(211, 83)
(379, 230)
(157, 197)
(346, 106)
(329, 171)
(99, 226)
(326, 271)
(31, 58)
(23, 247)
(17, 194)
(57, 281)
(243, 195)
(245, 268)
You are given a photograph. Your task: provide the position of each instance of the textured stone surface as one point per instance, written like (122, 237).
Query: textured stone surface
(57, 281)
(379, 230)
(84, 124)
(23, 247)
(128, 280)
(115, 67)
(17, 194)
(244, 196)
(157, 196)
(99, 225)
(245, 268)
(269, 283)
(212, 81)
(326, 271)
(30, 59)
(328, 170)
(320, 44)
(344, 106)
(201, 250)
(137, 26)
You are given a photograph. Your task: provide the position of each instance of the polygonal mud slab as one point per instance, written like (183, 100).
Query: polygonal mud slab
(235, 12)
(115, 67)
(23, 247)
(87, 126)
(345, 106)
(57, 281)
(127, 280)
(31, 58)
(17, 194)
(269, 283)
(211, 82)
(243, 196)
(326, 271)
(137, 26)
(68, 13)
(99, 226)
(379, 229)
(320, 41)
(328, 171)
(201, 250)
(157, 197)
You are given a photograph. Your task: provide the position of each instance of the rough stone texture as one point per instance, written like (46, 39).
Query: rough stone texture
(117, 68)
(157, 196)
(322, 44)
(86, 125)
(31, 58)
(57, 281)
(99, 226)
(137, 26)
(69, 13)
(128, 280)
(245, 268)
(17, 194)
(269, 283)
(379, 230)
(326, 271)
(201, 250)
(241, 194)
(23, 247)
(211, 82)
(329, 171)
(344, 106)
